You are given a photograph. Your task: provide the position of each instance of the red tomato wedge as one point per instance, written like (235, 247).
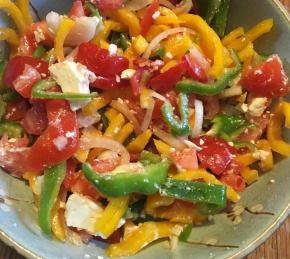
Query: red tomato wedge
(185, 159)
(235, 181)
(268, 79)
(59, 141)
(194, 69)
(147, 18)
(215, 153)
(77, 10)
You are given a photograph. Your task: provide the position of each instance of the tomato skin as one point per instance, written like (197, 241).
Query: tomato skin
(109, 5)
(185, 159)
(35, 120)
(267, 79)
(172, 97)
(16, 110)
(59, 141)
(77, 10)
(194, 69)
(147, 18)
(100, 61)
(107, 83)
(215, 153)
(166, 81)
(16, 66)
(235, 181)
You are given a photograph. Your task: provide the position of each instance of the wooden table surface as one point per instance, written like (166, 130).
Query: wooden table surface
(276, 247)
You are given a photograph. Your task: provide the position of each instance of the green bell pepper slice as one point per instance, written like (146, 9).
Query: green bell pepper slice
(3, 64)
(147, 158)
(39, 91)
(93, 9)
(178, 128)
(208, 8)
(53, 178)
(191, 86)
(38, 53)
(196, 192)
(120, 183)
(184, 235)
(12, 128)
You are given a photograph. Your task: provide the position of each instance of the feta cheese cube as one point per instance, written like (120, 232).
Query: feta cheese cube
(257, 106)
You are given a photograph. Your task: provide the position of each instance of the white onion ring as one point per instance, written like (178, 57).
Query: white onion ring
(169, 139)
(184, 7)
(163, 35)
(167, 4)
(147, 117)
(198, 118)
(157, 96)
(107, 143)
(123, 108)
(136, 5)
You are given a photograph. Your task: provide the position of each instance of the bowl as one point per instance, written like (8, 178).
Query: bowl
(18, 227)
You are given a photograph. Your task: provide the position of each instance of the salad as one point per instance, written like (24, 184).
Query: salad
(133, 121)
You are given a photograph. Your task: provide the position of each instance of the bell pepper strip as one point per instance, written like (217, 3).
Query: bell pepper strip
(196, 192)
(246, 159)
(129, 19)
(125, 132)
(250, 175)
(11, 128)
(245, 144)
(39, 92)
(236, 33)
(274, 130)
(23, 6)
(209, 209)
(93, 9)
(177, 128)
(53, 178)
(163, 148)
(191, 86)
(228, 127)
(115, 126)
(139, 143)
(15, 13)
(3, 64)
(38, 53)
(260, 29)
(120, 39)
(94, 105)
(147, 18)
(267, 163)
(209, 8)
(120, 183)
(58, 222)
(219, 21)
(155, 201)
(110, 218)
(11, 37)
(147, 158)
(63, 30)
(184, 235)
(210, 42)
(143, 235)
(208, 178)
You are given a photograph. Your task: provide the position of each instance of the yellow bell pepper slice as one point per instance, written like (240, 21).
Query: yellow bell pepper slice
(210, 42)
(208, 178)
(131, 55)
(247, 52)
(94, 105)
(274, 131)
(30, 176)
(10, 36)
(143, 235)
(246, 159)
(236, 33)
(155, 201)
(139, 143)
(168, 65)
(111, 216)
(250, 175)
(267, 163)
(81, 155)
(146, 100)
(154, 30)
(15, 14)
(115, 126)
(260, 29)
(63, 30)
(129, 19)
(238, 44)
(163, 148)
(57, 222)
(111, 114)
(23, 5)
(140, 44)
(125, 131)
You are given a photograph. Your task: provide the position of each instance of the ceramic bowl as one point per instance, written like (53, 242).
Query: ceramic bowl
(18, 226)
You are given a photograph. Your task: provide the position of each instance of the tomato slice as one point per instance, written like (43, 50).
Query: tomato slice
(108, 5)
(35, 120)
(194, 69)
(77, 10)
(215, 153)
(59, 141)
(147, 18)
(107, 83)
(235, 181)
(166, 81)
(100, 61)
(172, 97)
(268, 79)
(16, 67)
(185, 159)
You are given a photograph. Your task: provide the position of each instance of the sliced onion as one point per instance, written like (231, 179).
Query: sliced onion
(53, 20)
(199, 57)
(147, 117)
(86, 121)
(169, 139)
(123, 108)
(157, 96)
(71, 56)
(106, 143)
(167, 4)
(163, 35)
(135, 5)
(198, 118)
(232, 91)
(184, 7)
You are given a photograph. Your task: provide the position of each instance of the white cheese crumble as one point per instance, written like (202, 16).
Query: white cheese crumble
(128, 73)
(155, 15)
(113, 49)
(260, 154)
(257, 106)
(73, 78)
(39, 36)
